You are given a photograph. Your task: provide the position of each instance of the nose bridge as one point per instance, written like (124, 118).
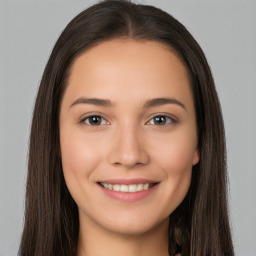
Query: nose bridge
(128, 145)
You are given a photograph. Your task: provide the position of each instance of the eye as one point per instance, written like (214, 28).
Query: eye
(94, 120)
(162, 120)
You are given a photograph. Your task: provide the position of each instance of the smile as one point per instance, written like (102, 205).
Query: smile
(127, 188)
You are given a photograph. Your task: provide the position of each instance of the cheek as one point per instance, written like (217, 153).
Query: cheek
(176, 155)
(79, 157)
(175, 158)
(177, 164)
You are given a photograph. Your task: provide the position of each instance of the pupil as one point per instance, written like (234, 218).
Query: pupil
(160, 120)
(94, 120)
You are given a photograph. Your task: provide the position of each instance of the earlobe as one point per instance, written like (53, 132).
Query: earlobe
(196, 157)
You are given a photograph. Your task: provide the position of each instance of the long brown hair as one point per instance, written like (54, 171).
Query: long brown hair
(200, 223)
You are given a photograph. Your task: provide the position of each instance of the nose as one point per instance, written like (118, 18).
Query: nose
(128, 147)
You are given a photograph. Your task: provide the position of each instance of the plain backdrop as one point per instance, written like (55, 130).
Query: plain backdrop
(226, 30)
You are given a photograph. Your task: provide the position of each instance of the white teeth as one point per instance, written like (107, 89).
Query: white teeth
(133, 188)
(116, 187)
(145, 186)
(140, 187)
(126, 188)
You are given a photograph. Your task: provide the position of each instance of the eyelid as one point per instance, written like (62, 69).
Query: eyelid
(173, 118)
(88, 115)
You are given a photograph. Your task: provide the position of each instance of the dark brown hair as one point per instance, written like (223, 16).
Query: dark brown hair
(200, 223)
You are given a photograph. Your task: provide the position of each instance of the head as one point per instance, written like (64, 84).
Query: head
(50, 208)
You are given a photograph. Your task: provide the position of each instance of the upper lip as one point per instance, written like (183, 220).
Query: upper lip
(127, 181)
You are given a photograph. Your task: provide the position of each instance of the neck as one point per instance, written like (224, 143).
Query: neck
(97, 241)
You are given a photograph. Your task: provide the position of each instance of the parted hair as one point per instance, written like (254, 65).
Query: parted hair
(200, 224)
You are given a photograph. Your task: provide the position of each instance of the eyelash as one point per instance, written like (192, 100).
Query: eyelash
(171, 120)
(83, 120)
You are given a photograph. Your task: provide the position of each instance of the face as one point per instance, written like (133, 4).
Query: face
(128, 135)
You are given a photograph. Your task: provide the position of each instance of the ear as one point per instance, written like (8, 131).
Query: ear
(196, 157)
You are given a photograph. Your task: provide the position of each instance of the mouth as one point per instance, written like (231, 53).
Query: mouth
(128, 190)
(132, 188)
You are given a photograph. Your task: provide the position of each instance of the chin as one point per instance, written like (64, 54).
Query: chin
(133, 225)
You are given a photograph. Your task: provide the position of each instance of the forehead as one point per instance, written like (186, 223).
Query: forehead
(123, 69)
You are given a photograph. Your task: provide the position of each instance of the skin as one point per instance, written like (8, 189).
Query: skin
(127, 143)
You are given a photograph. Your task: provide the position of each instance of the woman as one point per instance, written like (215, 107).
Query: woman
(127, 148)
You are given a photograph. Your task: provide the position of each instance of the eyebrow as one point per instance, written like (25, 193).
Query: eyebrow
(93, 101)
(148, 104)
(162, 101)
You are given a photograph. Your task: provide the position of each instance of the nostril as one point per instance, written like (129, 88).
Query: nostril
(128, 164)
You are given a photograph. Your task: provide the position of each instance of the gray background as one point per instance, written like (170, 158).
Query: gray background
(225, 30)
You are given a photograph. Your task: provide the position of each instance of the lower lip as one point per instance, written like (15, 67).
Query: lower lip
(129, 196)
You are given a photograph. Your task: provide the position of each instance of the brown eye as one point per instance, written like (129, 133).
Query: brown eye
(94, 120)
(161, 120)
